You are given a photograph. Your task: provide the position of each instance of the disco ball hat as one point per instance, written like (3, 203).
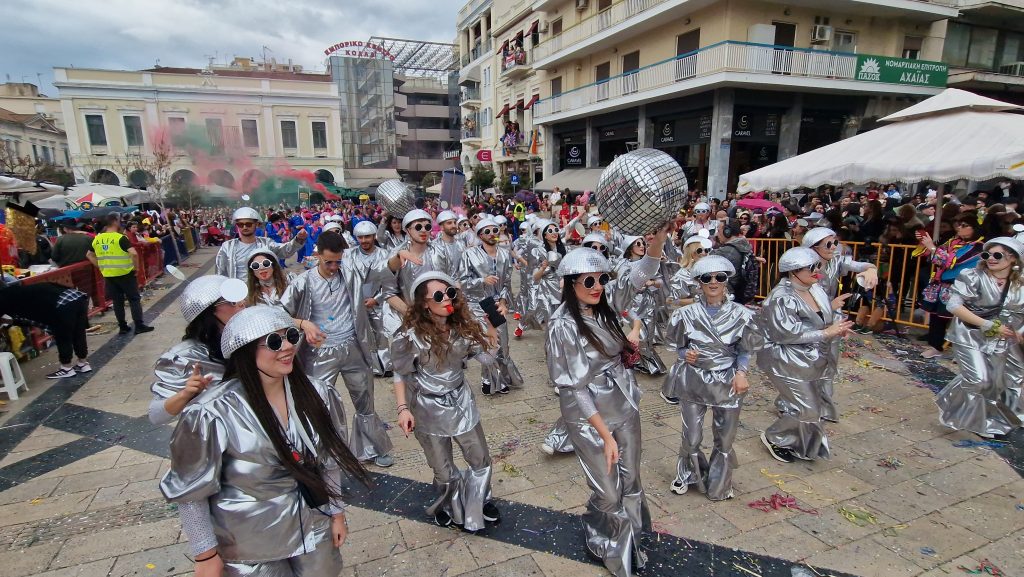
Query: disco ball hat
(396, 197)
(796, 259)
(414, 215)
(246, 213)
(583, 261)
(251, 324)
(446, 215)
(700, 238)
(365, 228)
(641, 190)
(1008, 242)
(428, 276)
(712, 263)
(816, 235)
(200, 294)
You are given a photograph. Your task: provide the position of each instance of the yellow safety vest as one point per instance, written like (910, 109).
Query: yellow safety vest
(113, 261)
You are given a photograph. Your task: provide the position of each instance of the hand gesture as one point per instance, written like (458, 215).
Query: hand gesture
(838, 330)
(869, 278)
(314, 335)
(839, 301)
(691, 356)
(407, 256)
(301, 237)
(406, 421)
(491, 280)
(739, 383)
(611, 453)
(196, 383)
(634, 337)
(370, 303)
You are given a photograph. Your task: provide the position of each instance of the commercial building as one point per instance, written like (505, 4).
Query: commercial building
(985, 48)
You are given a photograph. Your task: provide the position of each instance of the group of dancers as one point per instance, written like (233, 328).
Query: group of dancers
(263, 449)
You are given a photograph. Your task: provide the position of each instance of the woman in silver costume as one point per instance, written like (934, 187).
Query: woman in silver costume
(256, 463)
(600, 404)
(682, 291)
(642, 304)
(801, 329)
(988, 305)
(547, 289)
(715, 337)
(195, 363)
(391, 235)
(438, 336)
(527, 253)
(266, 279)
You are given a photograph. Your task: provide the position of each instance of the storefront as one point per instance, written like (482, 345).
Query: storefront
(686, 139)
(820, 128)
(572, 150)
(615, 141)
(755, 140)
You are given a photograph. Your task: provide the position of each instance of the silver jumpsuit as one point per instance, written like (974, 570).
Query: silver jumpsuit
(724, 337)
(680, 286)
(547, 291)
(643, 305)
(533, 252)
(796, 357)
(435, 258)
(173, 370)
(233, 257)
(328, 303)
(388, 240)
(376, 281)
(831, 271)
(983, 397)
(441, 401)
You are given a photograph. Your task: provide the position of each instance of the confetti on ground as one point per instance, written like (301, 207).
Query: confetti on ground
(150, 566)
(970, 444)
(512, 470)
(890, 462)
(928, 551)
(779, 480)
(778, 502)
(531, 421)
(894, 530)
(36, 501)
(984, 568)
(873, 410)
(508, 448)
(1020, 506)
(857, 516)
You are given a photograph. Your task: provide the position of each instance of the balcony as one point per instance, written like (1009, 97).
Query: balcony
(514, 65)
(738, 63)
(469, 97)
(401, 101)
(471, 62)
(401, 128)
(470, 11)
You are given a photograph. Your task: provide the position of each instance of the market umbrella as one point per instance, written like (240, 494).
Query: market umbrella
(758, 203)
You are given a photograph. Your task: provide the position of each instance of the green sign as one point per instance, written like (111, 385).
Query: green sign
(901, 71)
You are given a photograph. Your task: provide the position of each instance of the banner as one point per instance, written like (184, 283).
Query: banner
(901, 71)
(484, 155)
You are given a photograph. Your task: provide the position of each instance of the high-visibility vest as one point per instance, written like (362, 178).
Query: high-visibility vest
(112, 259)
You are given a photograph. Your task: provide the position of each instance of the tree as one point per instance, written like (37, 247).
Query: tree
(482, 177)
(25, 168)
(430, 179)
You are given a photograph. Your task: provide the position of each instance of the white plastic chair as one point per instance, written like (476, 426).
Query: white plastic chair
(13, 378)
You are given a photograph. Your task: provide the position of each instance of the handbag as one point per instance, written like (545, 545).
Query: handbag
(630, 355)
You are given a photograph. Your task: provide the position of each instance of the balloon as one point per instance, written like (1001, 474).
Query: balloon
(396, 197)
(641, 190)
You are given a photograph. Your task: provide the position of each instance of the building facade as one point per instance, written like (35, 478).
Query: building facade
(427, 125)
(985, 48)
(31, 136)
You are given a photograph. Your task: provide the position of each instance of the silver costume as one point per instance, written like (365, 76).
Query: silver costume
(173, 370)
(388, 240)
(441, 401)
(547, 292)
(233, 257)
(454, 248)
(477, 265)
(376, 281)
(435, 258)
(983, 397)
(797, 359)
(329, 304)
(644, 305)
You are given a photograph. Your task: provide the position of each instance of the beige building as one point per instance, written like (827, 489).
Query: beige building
(724, 86)
(33, 136)
(24, 98)
(985, 48)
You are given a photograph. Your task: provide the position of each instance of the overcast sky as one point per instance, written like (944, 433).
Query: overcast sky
(135, 34)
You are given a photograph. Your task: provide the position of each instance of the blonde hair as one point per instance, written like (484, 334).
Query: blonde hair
(689, 255)
(1015, 277)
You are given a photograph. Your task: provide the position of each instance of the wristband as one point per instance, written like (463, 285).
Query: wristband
(215, 554)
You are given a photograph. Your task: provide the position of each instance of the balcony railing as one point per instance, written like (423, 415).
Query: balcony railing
(742, 57)
(513, 62)
(469, 94)
(476, 52)
(588, 27)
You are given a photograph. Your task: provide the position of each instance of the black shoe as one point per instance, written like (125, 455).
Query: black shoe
(830, 419)
(485, 388)
(124, 329)
(139, 329)
(670, 400)
(504, 390)
(491, 513)
(442, 518)
(780, 454)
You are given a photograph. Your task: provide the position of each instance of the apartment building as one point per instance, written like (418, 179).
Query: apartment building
(985, 48)
(428, 125)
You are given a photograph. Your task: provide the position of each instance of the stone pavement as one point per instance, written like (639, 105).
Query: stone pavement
(79, 466)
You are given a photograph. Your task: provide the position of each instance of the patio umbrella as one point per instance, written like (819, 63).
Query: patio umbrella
(758, 203)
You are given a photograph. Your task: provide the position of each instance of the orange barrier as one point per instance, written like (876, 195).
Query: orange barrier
(151, 255)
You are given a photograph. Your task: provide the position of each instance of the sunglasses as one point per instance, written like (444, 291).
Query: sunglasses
(830, 244)
(597, 246)
(992, 255)
(702, 250)
(419, 226)
(591, 281)
(813, 268)
(248, 224)
(718, 277)
(701, 211)
(488, 231)
(275, 341)
(258, 264)
(450, 293)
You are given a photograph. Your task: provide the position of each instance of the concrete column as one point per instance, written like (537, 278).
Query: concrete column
(721, 142)
(268, 137)
(789, 133)
(549, 151)
(592, 143)
(645, 129)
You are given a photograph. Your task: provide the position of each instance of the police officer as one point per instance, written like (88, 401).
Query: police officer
(116, 259)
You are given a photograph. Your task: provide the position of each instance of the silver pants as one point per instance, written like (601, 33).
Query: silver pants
(799, 427)
(462, 494)
(323, 561)
(650, 360)
(558, 439)
(617, 510)
(504, 371)
(369, 437)
(714, 477)
(975, 399)
(382, 348)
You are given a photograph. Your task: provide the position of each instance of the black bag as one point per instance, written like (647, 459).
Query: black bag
(748, 277)
(493, 314)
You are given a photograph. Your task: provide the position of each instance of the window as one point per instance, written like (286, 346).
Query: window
(288, 137)
(97, 133)
(844, 41)
(630, 64)
(556, 86)
(912, 47)
(67, 158)
(983, 48)
(215, 134)
(176, 124)
(487, 75)
(688, 42)
(319, 135)
(250, 134)
(601, 74)
(46, 154)
(556, 27)
(35, 153)
(133, 130)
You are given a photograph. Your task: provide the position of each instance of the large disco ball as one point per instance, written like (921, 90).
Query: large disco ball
(396, 197)
(641, 190)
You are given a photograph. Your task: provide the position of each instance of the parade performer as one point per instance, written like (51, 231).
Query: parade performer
(256, 463)
(266, 280)
(714, 337)
(642, 304)
(323, 302)
(232, 259)
(447, 221)
(391, 234)
(438, 336)
(546, 280)
(988, 305)
(526, 253)
(801, 329)
(407, 261)
(683, 290)
(370, 265)
(702, 221)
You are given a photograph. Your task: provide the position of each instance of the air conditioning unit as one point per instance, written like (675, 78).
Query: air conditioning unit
(543, 28)
(821, 33)
(581, 4)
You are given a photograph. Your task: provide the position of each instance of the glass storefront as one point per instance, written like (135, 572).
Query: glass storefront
(755, 141)
(367, 92)
(687, 140)
(615, 141)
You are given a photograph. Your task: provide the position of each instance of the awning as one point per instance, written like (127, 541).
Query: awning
(520, 103)
(575, 179)
(534, 26)
(519, 34)
(502, 112)
(504, 47)
(532, 101)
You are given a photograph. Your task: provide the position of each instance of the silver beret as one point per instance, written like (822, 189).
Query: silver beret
(200, 294)
(583, 261)
(428, 276)
(246, 213)
(596, 237)
(500, 219)
(702, 206)
(700, 238)
(816, 235)
(446, 215)
(332, 226)
(627, 242)
(251, 324)
(1008, 242)
(483, 223)
(364, 228)
(797, 258)
(712, 263)
(414, 215)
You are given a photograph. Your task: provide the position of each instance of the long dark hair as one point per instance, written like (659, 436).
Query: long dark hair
(206, 328)
(312, 414)
(602, 311)
(559, 246)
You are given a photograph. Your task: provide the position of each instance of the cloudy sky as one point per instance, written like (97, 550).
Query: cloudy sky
(135, 34)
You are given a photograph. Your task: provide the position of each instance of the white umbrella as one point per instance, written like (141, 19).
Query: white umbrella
(951, 136)
(101, 194)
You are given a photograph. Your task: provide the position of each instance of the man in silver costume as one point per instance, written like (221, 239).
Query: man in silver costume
(322, 300)
(599, 401)
(547, 287)
(418, 254)
(243, 451)
(702, 221)
(448, 221)
(526, 254)
(486, 271)
(467, 235)
(438, 336)
(233, 257)
(714, 337)
(802, 329)
(988, 305)
(369, 264)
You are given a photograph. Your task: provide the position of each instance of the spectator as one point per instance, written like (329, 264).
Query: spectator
(63, 311)
(72, 246)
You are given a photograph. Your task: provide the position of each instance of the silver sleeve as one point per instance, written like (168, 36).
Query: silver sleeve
(196, 523)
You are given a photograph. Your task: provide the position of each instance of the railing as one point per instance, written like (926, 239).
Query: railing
(726, 56)
(468, 94)
(477, 51)
(513, 60)
(588, 27)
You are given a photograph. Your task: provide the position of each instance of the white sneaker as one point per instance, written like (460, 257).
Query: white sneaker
(930, 353)
(678, 487)
(548, 449)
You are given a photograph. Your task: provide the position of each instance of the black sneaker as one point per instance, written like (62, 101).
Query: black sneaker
(780, 454)
(670, 400)
(442, 518)
(124, 329)
(504, 390)
(62, 374)
(861, 330)
(139, 329)
(485, 388)
(491, 513)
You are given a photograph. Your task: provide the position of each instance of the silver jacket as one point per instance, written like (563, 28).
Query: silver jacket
(387, 239)
(300, 295)
(794, 340)
(454, 248)
(371, 269)
(174, 367)
(682, 285)
(979, 292)
(836, 268)
(477, 265)
(233, 257)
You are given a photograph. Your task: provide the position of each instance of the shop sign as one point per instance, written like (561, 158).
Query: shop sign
(666, 133)
(575, 155)
(359, 49)
(484, 155)
(758, 127)
(450, 154)
(901, 71)
(705, 127)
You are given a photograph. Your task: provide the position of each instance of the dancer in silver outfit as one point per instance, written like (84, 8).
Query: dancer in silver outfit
(391, 233)
(683, 290)
(247, 453)
(715, 338)
(265, 279)
(527, 254)
(447, 221)
(988, 305)
(600, 404)
(439, 335)
(802, 329)
(417, 255)
(322, 300)
(369, 264)
(233, 257)
(547, 289)
(643, 304)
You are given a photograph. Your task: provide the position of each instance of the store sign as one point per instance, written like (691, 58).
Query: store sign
(666, 133)
(359, 49)
(483, 155)
(705, 127)
(901, 71)
(575, 155)
(450, 154)
(755, 125)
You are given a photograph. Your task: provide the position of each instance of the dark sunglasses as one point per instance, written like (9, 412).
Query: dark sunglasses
(719, 277)
(992, 255)
(829, 244)
(450, 293)
(258, 264)
(702, 250)
(813, 268)
(245, 224)
(488, 231)
(419, 226)
(603, 280)
(274, 341)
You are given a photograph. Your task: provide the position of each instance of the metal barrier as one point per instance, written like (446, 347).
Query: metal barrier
(82, 276)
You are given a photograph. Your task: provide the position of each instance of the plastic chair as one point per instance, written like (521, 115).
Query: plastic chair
(13, 378)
